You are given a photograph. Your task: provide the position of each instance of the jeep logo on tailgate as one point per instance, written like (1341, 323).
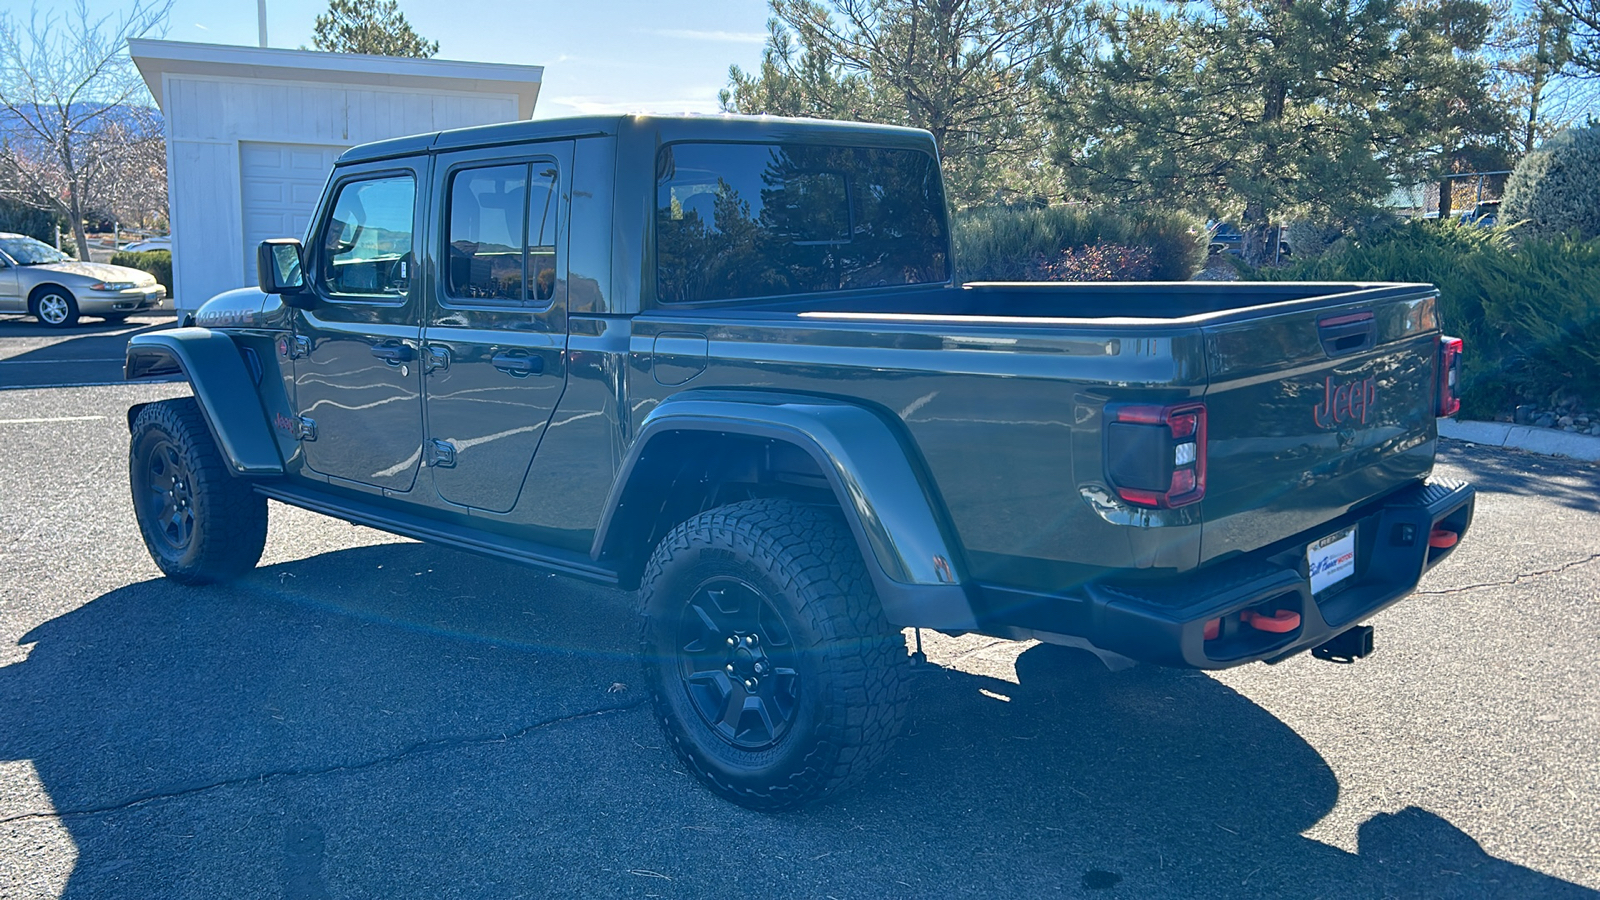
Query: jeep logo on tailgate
(1346, 402)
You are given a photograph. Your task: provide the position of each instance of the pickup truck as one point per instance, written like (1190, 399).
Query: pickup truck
(724, 361)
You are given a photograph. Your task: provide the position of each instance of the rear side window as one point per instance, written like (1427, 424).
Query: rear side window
(766, 220)
(501, 235)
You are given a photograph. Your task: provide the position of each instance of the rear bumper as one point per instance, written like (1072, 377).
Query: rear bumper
(1165, 621)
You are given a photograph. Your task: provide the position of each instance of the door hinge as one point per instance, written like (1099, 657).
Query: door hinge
(305, 429)
(436, 358)
(300, 347)
(441, 454)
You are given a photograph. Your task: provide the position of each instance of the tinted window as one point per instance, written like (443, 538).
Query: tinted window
(366, 246)
(501, 234)
(762, 220)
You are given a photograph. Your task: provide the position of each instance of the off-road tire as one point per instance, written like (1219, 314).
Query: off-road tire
(200, 523)
(849, 689)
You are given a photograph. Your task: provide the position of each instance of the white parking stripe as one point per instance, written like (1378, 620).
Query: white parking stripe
(57, 362)
(56, 419)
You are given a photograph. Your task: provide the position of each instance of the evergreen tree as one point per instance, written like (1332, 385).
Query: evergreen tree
(1585, 18)
(962, 69)
(1271, 108)
(376, 27)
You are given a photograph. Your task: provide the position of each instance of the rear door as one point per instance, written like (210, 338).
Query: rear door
(496, 334)
(1316, 409)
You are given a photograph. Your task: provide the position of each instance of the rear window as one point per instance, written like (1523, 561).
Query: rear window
(765, 220)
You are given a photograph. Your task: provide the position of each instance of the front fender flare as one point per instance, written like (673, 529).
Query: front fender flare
(222, 386)
(894, 515)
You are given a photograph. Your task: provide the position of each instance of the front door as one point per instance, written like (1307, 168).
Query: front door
(496, 336)
(358, 384)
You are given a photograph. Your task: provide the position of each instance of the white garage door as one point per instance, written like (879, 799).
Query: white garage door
(281, 184)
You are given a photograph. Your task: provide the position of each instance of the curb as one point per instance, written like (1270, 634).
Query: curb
(1524, 437)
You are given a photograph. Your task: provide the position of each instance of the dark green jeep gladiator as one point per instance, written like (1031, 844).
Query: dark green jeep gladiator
(724, 361)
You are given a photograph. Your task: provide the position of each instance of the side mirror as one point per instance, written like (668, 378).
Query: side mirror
(278, 269)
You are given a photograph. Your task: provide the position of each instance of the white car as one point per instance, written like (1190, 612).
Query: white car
(161, 242)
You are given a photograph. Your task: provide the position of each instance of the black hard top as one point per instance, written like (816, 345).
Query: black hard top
(662, 129)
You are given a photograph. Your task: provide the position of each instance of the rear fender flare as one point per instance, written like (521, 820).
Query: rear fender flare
(894, 516)
(221, 383)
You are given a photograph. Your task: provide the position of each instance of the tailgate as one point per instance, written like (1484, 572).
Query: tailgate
(1315, 410)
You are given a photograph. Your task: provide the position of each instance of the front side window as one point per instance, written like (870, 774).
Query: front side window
(366, 246)
(501, 236)
(765, 220)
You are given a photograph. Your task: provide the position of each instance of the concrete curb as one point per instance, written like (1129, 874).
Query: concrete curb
(1547, 441)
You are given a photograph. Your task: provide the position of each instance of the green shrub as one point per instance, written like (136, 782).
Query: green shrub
(16, 218)
(156, 262)
(1556, 188)
(1004, 244)
(1529, 310)
(1101, 261)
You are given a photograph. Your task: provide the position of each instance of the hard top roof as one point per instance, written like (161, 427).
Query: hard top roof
(666, 129)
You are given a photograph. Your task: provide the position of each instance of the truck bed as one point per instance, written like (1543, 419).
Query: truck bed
(1002, 389)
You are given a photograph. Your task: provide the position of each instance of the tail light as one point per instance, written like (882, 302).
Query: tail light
(1156, 455)
(1449, 376)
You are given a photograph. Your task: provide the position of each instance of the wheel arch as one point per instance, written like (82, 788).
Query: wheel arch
(691, 448)
(211, 363)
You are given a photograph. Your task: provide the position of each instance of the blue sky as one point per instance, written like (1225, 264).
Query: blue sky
(600, 56)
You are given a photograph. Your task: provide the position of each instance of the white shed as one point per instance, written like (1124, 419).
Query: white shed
(253, 132)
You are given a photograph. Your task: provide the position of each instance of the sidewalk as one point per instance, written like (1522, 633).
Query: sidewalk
(1547, 441)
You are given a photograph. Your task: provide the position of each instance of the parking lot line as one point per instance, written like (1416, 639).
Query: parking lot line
(54, 419)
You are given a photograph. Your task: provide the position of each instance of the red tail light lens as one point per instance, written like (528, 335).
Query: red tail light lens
(1156, 455)
(1449, 376)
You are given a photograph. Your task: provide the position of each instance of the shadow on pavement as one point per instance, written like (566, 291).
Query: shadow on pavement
(402, 720)
(1573, 484)
(89, 353)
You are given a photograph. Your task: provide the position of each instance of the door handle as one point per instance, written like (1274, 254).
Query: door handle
(520, 366)
(393, 354)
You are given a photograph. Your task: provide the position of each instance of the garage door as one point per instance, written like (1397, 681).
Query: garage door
(281, 184)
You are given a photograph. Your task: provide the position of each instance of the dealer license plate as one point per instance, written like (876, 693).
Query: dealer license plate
(1331, 560)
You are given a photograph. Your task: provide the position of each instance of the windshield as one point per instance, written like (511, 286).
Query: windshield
(29, 252)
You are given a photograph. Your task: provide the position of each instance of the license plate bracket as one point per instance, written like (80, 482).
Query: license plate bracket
(1331, 559)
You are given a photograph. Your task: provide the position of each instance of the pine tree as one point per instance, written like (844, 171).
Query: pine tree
(1271, 108)
(376, 27)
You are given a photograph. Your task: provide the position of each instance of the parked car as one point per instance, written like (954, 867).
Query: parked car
(724, 361)
(1483, 215)
(38, 279)
(159, 242)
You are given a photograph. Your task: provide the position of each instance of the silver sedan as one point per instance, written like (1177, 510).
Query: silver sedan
(37, 278)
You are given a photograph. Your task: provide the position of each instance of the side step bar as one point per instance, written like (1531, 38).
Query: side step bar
(433, 531)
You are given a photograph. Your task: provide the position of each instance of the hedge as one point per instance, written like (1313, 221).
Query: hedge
(1528, 308)
(1021, 244)
(156, 262)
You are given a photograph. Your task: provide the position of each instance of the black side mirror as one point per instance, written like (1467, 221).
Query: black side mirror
(279, 270)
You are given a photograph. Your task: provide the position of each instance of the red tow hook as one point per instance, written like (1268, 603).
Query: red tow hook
(1281, 622)
(1442, 538)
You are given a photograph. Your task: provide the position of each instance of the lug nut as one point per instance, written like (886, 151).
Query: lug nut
(761, 668)
(728, 668)
(733, 641)
(749, 684)
(750, 640)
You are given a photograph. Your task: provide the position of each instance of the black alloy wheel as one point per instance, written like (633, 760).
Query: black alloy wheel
(168, 496)
(736, 663)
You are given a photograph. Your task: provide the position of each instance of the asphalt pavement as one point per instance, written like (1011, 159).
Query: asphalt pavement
(365, 716)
